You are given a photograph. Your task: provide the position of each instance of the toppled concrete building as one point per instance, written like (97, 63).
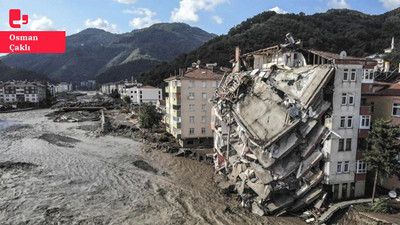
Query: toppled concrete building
(277, 124)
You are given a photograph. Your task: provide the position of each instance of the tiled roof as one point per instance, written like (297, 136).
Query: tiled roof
(393, 90)
(198, 74)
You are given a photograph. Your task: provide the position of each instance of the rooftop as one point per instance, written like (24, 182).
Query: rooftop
(197, 74)
(147, 87)
(393, 90)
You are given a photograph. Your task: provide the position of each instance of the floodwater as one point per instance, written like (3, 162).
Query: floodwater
(58, 173)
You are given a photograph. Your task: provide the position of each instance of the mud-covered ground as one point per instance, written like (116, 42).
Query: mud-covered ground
(60, 173)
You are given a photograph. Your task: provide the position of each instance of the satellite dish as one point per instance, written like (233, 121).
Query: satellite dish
(343, 54)
(392, 194)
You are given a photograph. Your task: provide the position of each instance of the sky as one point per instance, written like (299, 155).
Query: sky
(121, 16)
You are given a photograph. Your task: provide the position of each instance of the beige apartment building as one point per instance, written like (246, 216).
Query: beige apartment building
(188, 111)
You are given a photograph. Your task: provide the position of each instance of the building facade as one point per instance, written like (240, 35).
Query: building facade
(140, 94)
(298, 116)
(62, 87)
(188, 111)
(12, 92)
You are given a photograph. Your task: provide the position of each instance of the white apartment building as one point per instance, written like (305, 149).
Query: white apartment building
(140, 94)
(12, 92)
(62, 87)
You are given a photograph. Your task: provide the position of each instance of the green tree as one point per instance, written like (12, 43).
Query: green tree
(383, 147)
(127, 99)
(149, 116)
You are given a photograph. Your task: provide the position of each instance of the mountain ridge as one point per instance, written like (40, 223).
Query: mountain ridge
(92, 51)
(335, 30)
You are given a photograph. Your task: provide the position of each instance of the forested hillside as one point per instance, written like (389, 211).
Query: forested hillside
(336, 30)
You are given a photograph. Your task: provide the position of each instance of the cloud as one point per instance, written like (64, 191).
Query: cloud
(41, 23)
(187, 11)
(128, 2)
(128, 11)
(278, 10)
(145, 20)
(339, 4)
(390, 4)
(102, 24)
(218, 19)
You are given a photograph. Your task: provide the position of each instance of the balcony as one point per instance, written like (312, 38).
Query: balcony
(176, 89)
(176, 124)
(167, 89)
(176, 101)
(176, 113)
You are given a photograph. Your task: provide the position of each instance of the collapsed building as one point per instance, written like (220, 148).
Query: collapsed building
(286, 124)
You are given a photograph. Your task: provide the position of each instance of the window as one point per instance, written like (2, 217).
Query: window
(348, 144)
(203, 119)
(191, 107)
(346, 167)
(191, 119)
(203, 130)
(350, 122)
(203, 95)
(346, 75)
(353, 75)
(342, 122)
(361, 166)
(191, 95)
(341, 145)
(396, 109)
(365, 122)
(339, 167)
(204, 84)
(347, 99)
(368, 75)
(191, 130)
(191, 83)
(204, 107)
(214, 84)
(351, 99)
(344, 98)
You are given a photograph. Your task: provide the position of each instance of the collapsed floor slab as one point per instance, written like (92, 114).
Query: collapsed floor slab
(269, 129)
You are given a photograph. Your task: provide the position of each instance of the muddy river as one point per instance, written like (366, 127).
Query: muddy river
(61, 173)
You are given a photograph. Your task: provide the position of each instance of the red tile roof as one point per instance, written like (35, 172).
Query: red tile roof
(393, 90)
(198, 74)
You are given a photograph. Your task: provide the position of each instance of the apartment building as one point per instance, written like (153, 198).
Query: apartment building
(62, 87)
(188, 111)
(108, 88)
(297, 116)
(140, 94)
(11, 92)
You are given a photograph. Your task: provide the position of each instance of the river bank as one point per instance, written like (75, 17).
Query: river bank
(60, 172)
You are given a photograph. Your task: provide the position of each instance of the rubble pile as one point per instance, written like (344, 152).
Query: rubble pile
(92, 101)
(74, 116)
(269, 130)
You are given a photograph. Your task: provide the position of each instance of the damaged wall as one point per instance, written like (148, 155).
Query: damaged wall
(269, 131)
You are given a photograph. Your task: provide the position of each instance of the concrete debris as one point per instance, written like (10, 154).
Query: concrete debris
(269, 129)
